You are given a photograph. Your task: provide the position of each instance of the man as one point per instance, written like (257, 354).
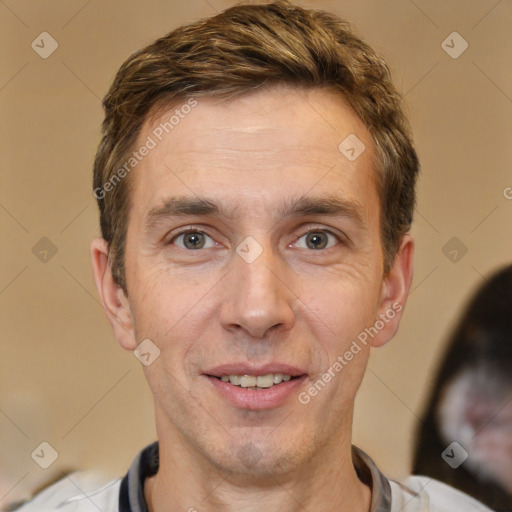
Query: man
(256, 186)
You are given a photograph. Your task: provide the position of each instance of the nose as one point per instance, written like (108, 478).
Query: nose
(258, 296)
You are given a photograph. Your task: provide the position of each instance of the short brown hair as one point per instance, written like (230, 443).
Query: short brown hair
(233, 53)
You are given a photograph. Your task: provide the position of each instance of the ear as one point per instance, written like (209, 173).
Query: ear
(395, 289)
(114, 301)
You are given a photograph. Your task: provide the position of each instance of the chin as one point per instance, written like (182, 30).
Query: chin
(261, 456)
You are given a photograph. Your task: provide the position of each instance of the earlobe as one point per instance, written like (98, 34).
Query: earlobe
(112, 296)
(395, 289)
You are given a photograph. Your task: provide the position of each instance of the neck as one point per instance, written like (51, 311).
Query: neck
(327, 483)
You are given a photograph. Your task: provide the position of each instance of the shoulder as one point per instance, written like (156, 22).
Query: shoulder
(77, 492)
(432, 496)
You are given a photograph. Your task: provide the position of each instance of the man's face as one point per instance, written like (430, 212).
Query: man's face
(261, 287)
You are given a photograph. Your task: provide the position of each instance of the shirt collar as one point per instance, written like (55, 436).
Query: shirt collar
(131, 492)
(145, 465)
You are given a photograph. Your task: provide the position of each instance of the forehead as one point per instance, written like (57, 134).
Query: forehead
(281, 140)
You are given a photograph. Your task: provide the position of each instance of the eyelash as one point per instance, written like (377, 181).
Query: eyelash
(312, 229)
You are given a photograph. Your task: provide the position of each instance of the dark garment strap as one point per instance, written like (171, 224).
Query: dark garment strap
(131, 492)
(369, 474)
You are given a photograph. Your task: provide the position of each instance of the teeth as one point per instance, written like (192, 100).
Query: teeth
(247, 381)
(253, 382)
(278, 378)
(265, 381)
(235, 379)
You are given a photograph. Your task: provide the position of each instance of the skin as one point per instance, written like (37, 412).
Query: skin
(295, 303)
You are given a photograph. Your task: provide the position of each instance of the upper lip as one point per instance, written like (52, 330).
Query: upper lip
(248, 369)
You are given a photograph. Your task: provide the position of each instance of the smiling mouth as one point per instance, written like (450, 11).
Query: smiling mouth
(267, 381)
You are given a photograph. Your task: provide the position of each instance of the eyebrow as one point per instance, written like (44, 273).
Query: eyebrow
(183, 206)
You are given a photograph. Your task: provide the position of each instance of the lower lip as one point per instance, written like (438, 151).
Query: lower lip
(255, 399)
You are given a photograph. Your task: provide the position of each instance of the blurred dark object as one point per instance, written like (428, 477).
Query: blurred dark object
(471, 400)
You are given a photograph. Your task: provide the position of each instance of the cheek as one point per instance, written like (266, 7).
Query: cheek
(164, 299)
(179, 315)
(337, 313)
(343, 303)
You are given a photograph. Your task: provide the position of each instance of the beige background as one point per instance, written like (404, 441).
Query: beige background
(63, 377)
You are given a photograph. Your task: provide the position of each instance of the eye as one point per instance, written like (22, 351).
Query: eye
(318, 239)
(192, 239)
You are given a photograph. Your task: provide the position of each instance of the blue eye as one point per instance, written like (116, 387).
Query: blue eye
(319, 240)
(193, 239)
